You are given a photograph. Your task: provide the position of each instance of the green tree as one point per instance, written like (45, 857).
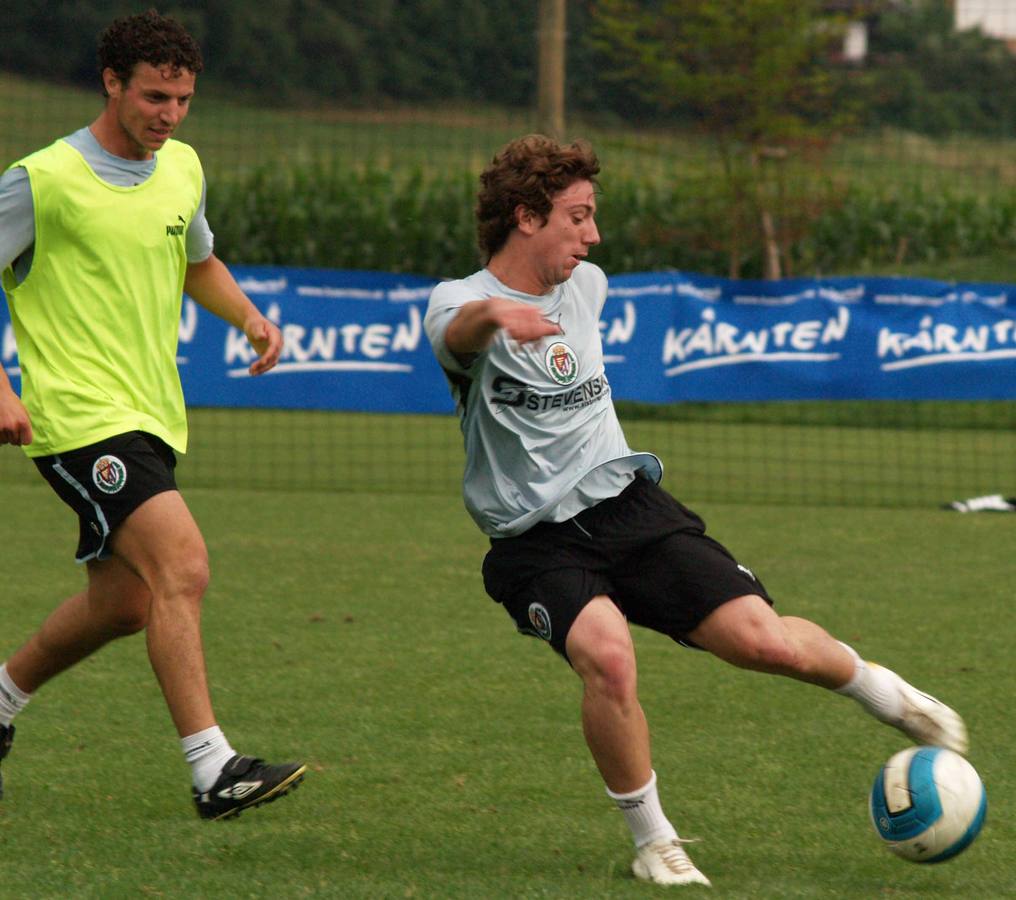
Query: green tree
(927, 76)
(753, 74)
(345, 52)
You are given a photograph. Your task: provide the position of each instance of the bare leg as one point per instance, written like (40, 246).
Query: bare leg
(114, 604)
(748, 633)
(160, 541)
(600, 650)
(157, 578)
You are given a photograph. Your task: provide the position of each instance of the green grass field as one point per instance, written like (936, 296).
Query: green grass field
(819, 454)
(351, 630)
(445, 752)
(832, 454)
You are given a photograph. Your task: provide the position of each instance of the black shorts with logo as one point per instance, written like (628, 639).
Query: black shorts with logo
(106, 481)
(643, 549)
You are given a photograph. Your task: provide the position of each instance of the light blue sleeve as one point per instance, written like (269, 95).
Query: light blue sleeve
(200, 240)
(17, 216)
(446, 300)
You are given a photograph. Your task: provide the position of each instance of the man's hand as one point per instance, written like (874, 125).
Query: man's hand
(265, 337)
(522, 322)
(211, 284)
(476, 323)
(15, 427)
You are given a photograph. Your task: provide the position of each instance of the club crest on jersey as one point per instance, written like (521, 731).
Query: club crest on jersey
(109, 474)
(540, 619)
(562, 363)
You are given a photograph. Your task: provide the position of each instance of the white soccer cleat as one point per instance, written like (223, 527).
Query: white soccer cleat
(665, 862)
(928, 721)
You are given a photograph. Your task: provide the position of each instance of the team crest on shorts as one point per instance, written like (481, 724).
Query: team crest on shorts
(109, 474)
(540, 618)
(562, 363)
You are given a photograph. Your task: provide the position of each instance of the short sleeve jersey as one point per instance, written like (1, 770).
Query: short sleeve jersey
(542, 438)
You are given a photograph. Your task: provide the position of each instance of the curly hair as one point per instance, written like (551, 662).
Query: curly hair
(528, 172)
(150, 38)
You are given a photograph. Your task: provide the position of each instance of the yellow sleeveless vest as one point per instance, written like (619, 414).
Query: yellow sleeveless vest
(97, 319)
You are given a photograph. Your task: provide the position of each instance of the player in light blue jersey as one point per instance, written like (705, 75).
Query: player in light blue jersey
(583, 539)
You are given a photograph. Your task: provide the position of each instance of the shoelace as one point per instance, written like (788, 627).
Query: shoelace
(675, 858)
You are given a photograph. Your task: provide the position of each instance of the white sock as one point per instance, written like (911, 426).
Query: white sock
(207, 752)
(875, 688)
(12, 698)
(644, 814)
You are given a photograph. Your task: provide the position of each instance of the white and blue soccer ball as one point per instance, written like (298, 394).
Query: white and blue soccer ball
(928, 804)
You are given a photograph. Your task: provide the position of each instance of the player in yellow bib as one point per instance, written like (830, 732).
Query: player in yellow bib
(100, 234)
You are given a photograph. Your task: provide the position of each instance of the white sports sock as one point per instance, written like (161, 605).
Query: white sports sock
(644, 815)
(207, 752)
(875, 687)
(12, 698)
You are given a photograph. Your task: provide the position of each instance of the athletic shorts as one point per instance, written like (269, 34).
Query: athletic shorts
(643, 549)
(105, 482)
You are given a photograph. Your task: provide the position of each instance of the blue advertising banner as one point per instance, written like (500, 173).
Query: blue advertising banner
(355, 341)
(673, 337)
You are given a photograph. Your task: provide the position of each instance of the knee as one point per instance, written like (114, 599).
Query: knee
(124, 612)
(186, 580)
(773, 654)
(767, 651)
(193, 579)
(747, 633)
(131, 617)
(610, 673)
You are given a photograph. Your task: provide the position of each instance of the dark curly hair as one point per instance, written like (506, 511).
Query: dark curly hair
(150, 38)
(529, 172)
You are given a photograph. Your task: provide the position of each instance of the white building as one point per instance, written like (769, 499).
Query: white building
(855, 41)
(996, 18)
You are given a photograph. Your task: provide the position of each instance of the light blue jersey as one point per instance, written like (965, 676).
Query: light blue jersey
(17, 218)
(542, 439)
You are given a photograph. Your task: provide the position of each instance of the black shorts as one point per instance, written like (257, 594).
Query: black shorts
(643, 549)
(106, 481)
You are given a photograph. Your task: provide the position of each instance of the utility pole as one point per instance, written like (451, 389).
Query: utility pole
(550, 36)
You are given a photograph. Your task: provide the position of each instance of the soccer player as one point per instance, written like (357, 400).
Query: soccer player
(583, 541)
(100, 233)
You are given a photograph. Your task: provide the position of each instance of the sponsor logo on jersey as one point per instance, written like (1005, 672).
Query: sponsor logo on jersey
(540, 619)
(511, 392)
(176, 230)
(562, 363)
(109, 474)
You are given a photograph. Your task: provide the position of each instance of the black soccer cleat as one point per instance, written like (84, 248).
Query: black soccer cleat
(246, 782)
(6, 738)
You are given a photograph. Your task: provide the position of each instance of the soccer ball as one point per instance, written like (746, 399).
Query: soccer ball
(928, 804)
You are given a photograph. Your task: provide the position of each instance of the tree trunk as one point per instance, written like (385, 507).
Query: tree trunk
(770, 244)
(736, 208)
(551, 44)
